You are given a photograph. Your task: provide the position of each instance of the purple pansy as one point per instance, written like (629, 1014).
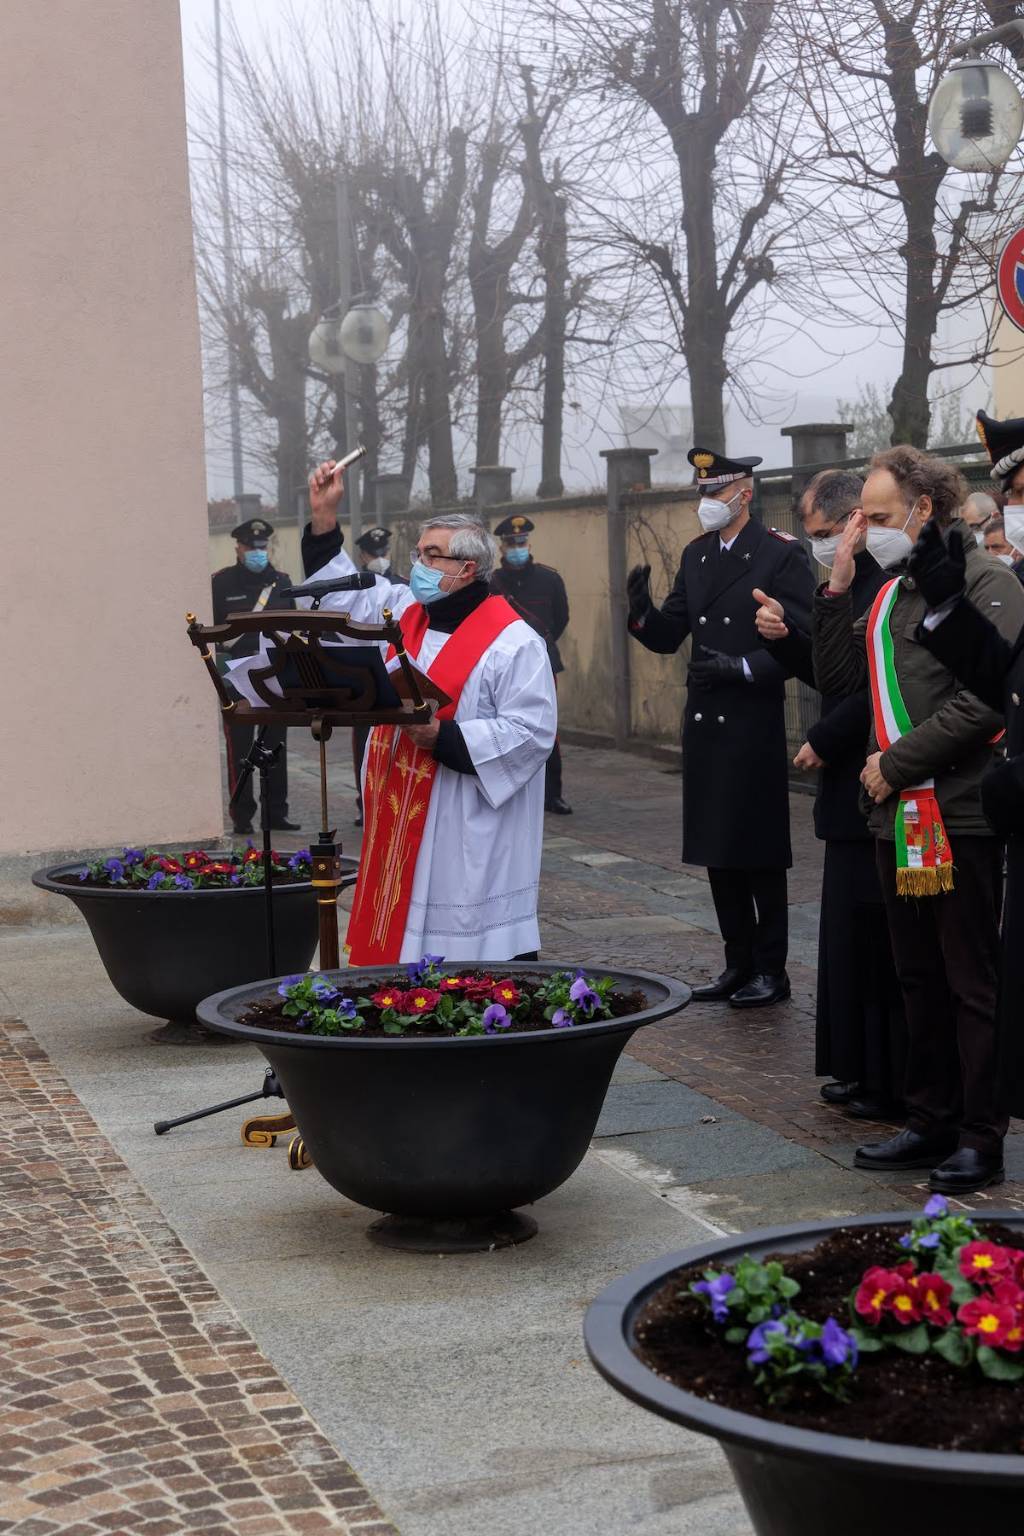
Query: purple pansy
(716, 1291)
(323, 991)
(930, 1240)
(837, 1346)
(302, 857)
(86, 872)
(155, 881)
(496, 1017)
(419, 970)
(132, 856)
(936, 1208)
(288, 982)
(115, 869)
(184, 883)
(756, 1339)
(560, 1019)
(583, 994)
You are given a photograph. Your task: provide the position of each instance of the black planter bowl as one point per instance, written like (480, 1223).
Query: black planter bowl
(447, 1135)
(164, 951)
(798, 1482)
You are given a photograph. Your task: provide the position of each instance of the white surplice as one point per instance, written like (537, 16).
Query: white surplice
(474, 892)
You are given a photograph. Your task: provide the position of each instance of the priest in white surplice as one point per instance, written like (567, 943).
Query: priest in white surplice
(465, 886)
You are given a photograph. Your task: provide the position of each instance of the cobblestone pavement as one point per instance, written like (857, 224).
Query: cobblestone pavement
(132, 1398)
(614, 892)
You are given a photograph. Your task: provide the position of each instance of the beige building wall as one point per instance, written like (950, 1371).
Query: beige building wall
(110, 726)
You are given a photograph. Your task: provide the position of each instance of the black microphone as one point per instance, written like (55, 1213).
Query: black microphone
(320, 589)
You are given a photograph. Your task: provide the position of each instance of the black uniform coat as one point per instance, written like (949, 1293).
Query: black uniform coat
(735, 768)
(236, 590)
(537, 593)
(993, 669)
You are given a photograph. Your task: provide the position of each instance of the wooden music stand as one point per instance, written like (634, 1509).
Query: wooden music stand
(307, 691)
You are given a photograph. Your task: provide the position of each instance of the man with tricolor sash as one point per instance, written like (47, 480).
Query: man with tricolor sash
(938, 860)
(453, 810)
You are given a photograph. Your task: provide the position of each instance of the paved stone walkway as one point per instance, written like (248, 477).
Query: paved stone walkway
(131, 1398)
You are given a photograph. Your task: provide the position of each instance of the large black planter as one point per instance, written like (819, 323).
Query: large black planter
(796, 1482)
(448, 1135)
(164, 951)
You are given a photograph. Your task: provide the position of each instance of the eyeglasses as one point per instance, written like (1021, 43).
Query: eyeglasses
(432, 557)
(827, 533)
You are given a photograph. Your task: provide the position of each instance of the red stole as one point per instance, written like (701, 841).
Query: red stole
(397, 786)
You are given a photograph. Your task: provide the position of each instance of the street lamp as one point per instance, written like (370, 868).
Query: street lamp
(976, 115)
(364, 333)
(361, 335)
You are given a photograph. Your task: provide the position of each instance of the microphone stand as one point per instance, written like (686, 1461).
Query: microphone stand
(259, 759)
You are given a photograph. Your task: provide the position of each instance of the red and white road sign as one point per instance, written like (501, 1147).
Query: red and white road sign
(1010, 279)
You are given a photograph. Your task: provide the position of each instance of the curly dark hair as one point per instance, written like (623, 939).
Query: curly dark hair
(922, 474)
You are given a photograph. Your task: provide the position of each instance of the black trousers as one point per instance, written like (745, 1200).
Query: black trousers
(553, 774)
(946, 950)
(860, 1033)
(753, 916)
(239, 739)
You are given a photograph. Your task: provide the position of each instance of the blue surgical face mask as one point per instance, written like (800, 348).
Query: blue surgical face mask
(425, 583)
(517, 554)
(256, 560)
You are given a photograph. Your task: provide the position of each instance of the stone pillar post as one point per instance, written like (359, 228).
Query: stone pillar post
(816, 443)
(391, 493)
(250, 504)
(628, 469)
(493, 484)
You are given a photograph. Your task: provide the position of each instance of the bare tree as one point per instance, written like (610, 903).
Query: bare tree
(697, 81)
(916, 238)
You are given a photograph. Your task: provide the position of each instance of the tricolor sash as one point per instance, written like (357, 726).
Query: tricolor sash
(924, 862)
(397, 786)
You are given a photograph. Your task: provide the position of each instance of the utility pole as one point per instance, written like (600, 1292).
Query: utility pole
(347, 379)
(229, 265)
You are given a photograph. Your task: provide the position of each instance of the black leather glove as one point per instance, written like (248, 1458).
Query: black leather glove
(714, 669)
(638, 591)
(938, 567)
(1002, 797)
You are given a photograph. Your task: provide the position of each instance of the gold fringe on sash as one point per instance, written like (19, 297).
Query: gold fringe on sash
(924, 882)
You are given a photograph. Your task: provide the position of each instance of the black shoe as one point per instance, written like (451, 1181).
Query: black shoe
(242, 831)
(285, 826)
(761, 991)
(839, 1093)
(730, 981)
(557, 807)
(966, 1170)
(357, 820)
(907, 1149)
(870, 1107)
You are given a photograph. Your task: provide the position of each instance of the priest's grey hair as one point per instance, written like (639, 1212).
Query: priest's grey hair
(470, 540)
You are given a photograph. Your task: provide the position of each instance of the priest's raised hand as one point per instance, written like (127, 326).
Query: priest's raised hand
(326, 489)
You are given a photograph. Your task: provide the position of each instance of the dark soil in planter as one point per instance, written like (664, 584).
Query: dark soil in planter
(904, 1399)
(267, 1013)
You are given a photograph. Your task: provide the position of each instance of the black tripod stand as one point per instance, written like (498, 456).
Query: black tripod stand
(259, 759)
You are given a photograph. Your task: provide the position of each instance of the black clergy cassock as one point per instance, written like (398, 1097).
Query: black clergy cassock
(735, 765)
(860, 1033)
(974, 651)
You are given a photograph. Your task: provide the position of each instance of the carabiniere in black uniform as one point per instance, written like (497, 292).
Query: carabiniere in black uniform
(237, 590)
(735, 762)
